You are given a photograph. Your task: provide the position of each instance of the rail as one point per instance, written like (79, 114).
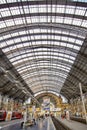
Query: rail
(59, 125)
(79, 119)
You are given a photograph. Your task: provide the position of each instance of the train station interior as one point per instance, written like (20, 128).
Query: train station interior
(43, 64)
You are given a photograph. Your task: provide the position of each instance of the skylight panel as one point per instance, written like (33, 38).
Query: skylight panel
(22, 32)
(3, 44)
(79, 42)
(18, 21)
(29, 20)
(24, 38)
(2, 25)
(70, 10)
(9, 23)
(77, 22)
(6, 13)
(10, 42)
(15, 11)
(14, 34)
(19, 45)
(71, 57)
(68, 20)
(59, 20)
(76, 47)
(26, 10)
(63, 44)
(6, 50)
(31, 31)
(71, 40)
(17, 40)
(79, 11)
(6, 36)
(60, 10)
(70, 45)
(84, 23)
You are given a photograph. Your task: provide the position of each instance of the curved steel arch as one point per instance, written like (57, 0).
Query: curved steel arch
(29, 75)
(35, 51)
(50, 79)
(38, 34)
(37, 40)
(47, 85)
(39, 2)
(58, 26)
(46, 59)
(44, 92)
(53, 90)
(78, 30)
(55, 71)
(73, 82)
(23, 71)
(43, 55)
(41, 77)
(58, 83)
(45, 46)
(42, 68)
(62, 77)
(43, 14)
(59, 66)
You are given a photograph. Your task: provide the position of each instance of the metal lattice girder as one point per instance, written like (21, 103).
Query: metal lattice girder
(45, 45)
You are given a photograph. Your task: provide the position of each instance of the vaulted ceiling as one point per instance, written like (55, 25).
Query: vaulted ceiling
(45, 43)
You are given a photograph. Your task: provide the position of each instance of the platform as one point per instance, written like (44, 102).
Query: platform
(42, 124)
(73, 125)
(10, 125)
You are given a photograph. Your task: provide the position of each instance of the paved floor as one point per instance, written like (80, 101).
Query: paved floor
(43, 124)
(10, 125)
(73, 125)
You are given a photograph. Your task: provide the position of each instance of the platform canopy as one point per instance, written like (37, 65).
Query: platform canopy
(45, 41)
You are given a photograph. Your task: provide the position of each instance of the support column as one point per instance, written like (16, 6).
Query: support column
(84, 109)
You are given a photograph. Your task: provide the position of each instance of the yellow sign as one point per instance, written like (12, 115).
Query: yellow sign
(9, 116)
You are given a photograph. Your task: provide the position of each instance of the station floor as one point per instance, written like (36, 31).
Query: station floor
(45, 124)
(42, 124)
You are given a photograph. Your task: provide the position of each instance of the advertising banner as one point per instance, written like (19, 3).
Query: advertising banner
(46, 103)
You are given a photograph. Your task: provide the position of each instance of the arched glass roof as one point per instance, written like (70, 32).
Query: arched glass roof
(42, 40)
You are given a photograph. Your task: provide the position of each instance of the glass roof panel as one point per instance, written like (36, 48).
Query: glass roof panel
(41, 19)
(47, 41)
(12, 1)
(42, 41)
(43, 9)
(44, 53)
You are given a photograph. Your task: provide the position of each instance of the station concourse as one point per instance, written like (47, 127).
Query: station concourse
(43, 64)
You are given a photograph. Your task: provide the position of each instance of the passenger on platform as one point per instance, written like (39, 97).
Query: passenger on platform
(67, 115)
(34, 121)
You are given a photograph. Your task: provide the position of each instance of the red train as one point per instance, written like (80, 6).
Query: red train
(3, 115)
(15, 115)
